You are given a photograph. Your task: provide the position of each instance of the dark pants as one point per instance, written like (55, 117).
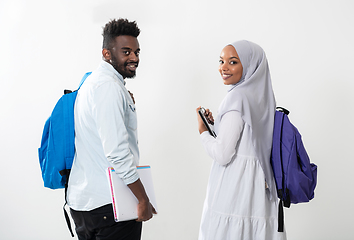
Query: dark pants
(99, 224)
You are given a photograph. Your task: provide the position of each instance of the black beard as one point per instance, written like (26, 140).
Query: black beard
(122, 71)
(128, 73)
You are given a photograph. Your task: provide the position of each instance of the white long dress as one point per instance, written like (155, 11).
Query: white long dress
(237, 204)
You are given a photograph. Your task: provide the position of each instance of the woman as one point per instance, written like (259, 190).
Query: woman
(241, 201)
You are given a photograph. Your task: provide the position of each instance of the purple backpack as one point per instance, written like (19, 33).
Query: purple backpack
(295, 176)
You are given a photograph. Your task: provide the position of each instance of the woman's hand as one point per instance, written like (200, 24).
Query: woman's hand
(209, 117)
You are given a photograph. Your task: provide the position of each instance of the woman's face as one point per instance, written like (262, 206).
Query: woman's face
(230, 66)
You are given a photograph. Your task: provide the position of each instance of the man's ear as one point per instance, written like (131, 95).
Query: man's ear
(106, 54)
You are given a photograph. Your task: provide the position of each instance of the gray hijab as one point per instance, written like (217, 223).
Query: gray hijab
(253, 97)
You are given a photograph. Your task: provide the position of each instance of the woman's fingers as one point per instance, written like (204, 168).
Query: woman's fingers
(209, 116)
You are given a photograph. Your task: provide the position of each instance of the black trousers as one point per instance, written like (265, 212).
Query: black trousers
(99, 224)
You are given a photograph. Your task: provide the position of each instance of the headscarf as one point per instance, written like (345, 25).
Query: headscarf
(253, 97)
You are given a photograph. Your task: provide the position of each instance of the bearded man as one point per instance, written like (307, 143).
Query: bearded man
(106, 136)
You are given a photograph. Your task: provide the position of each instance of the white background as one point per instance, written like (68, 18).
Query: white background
(46, 46)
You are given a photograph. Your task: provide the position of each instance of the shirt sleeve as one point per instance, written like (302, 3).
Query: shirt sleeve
(109, 112)
(223, 147)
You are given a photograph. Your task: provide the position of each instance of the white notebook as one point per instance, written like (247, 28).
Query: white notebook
(124, 201)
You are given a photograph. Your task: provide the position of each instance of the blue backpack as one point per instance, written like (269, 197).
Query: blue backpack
(57, 150)
(295, 176)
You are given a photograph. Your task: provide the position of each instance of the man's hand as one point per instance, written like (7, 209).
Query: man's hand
(145, 209)
(131, 95)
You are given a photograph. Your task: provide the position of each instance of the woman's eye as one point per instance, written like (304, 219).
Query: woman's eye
(221, 61)
(233, 62)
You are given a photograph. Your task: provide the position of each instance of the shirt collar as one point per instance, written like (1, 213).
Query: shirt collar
(109, 67)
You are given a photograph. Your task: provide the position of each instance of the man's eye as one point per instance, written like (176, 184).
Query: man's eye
(137, 54)
(126, 52)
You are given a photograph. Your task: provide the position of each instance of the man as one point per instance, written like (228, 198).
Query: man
(106, 135)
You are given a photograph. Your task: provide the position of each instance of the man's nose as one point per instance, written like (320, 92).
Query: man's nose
(133, 57)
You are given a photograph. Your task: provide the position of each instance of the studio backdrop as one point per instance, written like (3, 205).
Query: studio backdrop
(47, 46)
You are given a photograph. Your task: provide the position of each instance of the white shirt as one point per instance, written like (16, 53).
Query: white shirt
(105, 136)
(223, 148)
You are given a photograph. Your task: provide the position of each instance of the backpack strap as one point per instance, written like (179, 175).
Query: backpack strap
(66, 91)
(70, 148)
(284, 110)
(280, 216)
(68, 221)
(287, 201)
(83, 79)
(65, 212)
(277, 154)
(278, 165)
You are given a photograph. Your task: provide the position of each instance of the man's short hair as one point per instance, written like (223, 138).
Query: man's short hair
(116, 28)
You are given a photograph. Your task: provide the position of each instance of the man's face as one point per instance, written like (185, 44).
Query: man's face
(125, 55)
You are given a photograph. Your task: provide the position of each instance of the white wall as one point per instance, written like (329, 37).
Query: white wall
(46, 46)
